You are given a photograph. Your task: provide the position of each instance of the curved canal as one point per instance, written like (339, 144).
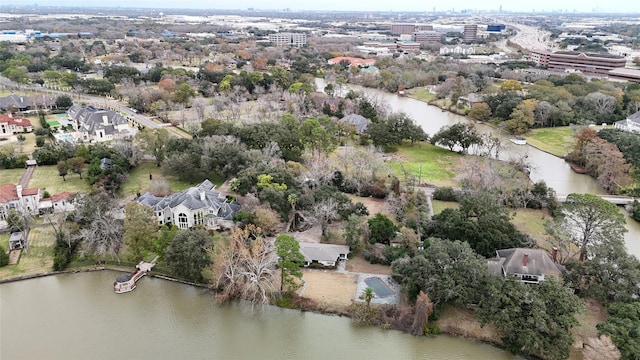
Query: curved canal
(78, 316)
(552, 169)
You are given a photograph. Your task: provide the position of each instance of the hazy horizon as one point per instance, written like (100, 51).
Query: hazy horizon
(619, 6)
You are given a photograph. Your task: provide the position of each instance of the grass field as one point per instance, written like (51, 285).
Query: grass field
(437, 164)
(47, 178)
(38, 259)
(557, 141)
(10, 176)
(139, 182)
(438, 206)
(421, 94)
(532, 222)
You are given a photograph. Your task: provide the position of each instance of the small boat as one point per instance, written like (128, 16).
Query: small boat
(577, 168)
(519, 140)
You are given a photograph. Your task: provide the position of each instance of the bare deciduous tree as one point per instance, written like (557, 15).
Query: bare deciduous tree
(245, 267)
(326, 211)
(160, 187)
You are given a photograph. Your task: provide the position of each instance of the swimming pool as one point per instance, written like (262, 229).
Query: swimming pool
(65, 137)
(379, 287)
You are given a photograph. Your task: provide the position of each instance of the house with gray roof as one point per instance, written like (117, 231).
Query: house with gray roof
(200, 205)
(529, 265)
(15, 102)
(359, 122)
(21, 102)
(631, 123)
(326, 255)
(98, 125)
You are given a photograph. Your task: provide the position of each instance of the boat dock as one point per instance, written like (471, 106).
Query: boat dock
(127, 282)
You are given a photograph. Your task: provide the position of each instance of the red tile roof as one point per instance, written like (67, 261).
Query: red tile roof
(8, 192)
(62, 196)
(32, 191)
(16, 120)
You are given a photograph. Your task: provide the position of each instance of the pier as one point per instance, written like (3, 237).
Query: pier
(127, 282)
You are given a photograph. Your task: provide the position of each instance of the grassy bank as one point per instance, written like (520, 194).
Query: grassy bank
(432, 164)
(421, 94)
(557, 141)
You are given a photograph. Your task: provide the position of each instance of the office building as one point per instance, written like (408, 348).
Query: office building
(470, 33)
(427, 36)
(288, 39)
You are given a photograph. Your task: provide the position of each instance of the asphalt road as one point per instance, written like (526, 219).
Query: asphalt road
(89, 99)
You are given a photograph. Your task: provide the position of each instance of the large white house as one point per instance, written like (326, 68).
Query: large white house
(15, 197)
(98, 125)
(197, 206)
(631, 123)
(11, 125)
(31, 201)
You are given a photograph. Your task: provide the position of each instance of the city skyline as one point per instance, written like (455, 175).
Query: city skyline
(621, 6)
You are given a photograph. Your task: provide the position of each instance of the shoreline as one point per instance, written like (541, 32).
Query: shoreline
(483, 123)
(307, 306)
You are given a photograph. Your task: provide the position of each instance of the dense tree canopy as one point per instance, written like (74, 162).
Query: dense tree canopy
(623, 326)
(448, 271)
(534, 320)
(592, 221)
(188, 254)
(481, 222)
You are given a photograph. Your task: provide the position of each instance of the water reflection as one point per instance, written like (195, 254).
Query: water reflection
(81, 318)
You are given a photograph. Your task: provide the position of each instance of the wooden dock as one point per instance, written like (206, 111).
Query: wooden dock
(127, 282)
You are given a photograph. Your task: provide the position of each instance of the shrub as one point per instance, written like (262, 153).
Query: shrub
(445, 194)
(4, 257)
(635, 210)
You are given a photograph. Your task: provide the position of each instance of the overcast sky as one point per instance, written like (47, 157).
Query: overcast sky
(363, 5)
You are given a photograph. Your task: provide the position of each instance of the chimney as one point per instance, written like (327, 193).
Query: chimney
(525, 258)
(19, 191)
(554, 254)
(202, 195)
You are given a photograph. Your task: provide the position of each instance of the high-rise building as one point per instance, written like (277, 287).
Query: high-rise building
(288, 39)
(470, 33)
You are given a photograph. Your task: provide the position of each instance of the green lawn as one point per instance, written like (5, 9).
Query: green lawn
(557, 141)
(139, 182)
(532, 222)
(439, 205)
(47, 178)
(421, 94)
(38, 259)
(10, 176)
(433, 164)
